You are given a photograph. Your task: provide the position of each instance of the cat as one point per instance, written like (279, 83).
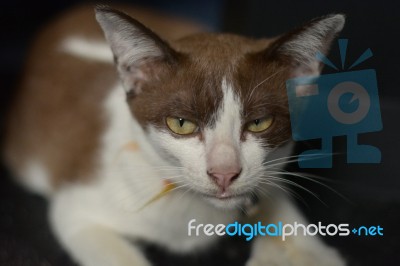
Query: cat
(190, 128)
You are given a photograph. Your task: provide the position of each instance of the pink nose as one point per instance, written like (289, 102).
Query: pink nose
(222, 179)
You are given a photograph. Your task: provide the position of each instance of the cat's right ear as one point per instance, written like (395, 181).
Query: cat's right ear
(138, 52)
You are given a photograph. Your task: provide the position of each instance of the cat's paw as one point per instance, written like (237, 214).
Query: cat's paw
(287, 254)
(268, 253)
(319, 256)
(300, 259)
(267, 262)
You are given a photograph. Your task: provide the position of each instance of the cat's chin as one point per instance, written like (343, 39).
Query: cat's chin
(232, 202)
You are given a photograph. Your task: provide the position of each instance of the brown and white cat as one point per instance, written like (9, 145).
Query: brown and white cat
(206, 113)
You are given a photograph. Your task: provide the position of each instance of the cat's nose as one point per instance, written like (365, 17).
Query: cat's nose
(224, 178)
(223, 164)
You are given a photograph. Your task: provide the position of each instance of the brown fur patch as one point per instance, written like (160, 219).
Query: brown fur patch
(57, 116)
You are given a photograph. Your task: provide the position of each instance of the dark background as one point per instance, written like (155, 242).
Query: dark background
(373, 191)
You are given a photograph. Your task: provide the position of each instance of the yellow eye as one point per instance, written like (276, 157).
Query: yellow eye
(260, 125)
(181, 126)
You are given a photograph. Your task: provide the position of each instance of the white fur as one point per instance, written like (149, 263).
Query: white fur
(95, 50)
(228, 122)
(36, 178)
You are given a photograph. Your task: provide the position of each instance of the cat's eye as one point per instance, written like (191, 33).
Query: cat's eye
(180, 125)
(259, 125)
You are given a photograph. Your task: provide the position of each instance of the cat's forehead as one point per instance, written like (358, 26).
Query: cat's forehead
(212, 59)
(219, 48)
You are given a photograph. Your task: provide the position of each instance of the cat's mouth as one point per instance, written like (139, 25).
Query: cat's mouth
(226, 200)
(224, 196)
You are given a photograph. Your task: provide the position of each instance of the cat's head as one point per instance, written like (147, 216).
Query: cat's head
(215, 105)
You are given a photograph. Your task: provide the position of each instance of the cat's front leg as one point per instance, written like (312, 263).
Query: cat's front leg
(84, 236)
(297, 250)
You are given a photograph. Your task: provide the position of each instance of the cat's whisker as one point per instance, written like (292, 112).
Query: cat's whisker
(266, 102)
(309, 157)
(270, 183)
(291, 192)
(298, 174)
(295, 174)
(168, 167)
(248, 99)
(267, 166)
(139, 205)
(144, 172)
(253, 192)
(282, 158)
(290, 182)
(274, 147)
(146, 186)
(188, 188)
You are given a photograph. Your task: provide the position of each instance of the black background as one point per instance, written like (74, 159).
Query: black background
(372, 190)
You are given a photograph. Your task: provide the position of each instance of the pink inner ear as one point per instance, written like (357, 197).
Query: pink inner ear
(133, 80)
(135, 76)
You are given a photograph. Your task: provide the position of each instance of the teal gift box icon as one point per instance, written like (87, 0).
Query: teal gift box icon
(338, 104)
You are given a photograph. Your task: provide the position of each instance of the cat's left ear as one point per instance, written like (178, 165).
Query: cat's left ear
(139, 53)
(299, 48)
